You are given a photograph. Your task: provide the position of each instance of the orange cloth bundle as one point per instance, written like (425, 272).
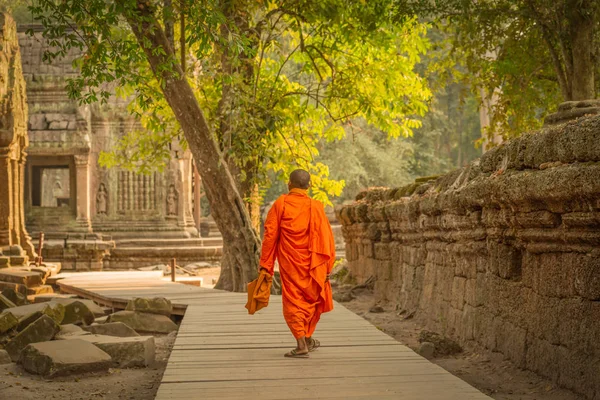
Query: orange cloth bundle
(259, 292)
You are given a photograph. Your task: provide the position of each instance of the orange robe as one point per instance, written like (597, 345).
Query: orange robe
(298, 235)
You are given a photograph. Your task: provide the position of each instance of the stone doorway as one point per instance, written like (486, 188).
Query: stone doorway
(50, 193)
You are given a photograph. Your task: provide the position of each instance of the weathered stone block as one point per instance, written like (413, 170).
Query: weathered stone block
(144, 322)
(27, 320)
(64, 357)
(55, 311)
(542, 358)
(7, 322)
(19, 299)
(37, 122)
(4, 357)
(70, 331)
(5, 303)
(41, 330)
(77, 312)
(126, 352)
(20, 277)
(458, 292)
(58, 125)
(382, 251)
(19, 288)
(157, 305)
(118, 329)
(93, 307)
(587, 274)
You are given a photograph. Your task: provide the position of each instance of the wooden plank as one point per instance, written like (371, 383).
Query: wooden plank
(223, 353)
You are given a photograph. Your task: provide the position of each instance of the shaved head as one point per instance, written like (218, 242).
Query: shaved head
(299, 179)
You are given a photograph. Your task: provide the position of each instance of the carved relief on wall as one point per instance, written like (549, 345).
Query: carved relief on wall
(102, 200)
(172, 198)
(136, 192)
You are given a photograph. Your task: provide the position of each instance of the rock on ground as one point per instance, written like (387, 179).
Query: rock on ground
(77, 312)
(427, 350)
(118, 329)
(41, 330)
(64, 357)
(43, 298)
(93, 307)
(4, 357)
(126, 352)
(18, 298)
(70, 331)
(443, 345)
(157, 305)
(143, 322)
(7, 322)
(55, 311)
(5, 303)
(21, 277)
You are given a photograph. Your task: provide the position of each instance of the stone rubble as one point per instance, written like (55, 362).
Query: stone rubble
(93, 307)
(144, 322)
(5, 303)
(126, 352)
(19, 299)
(7, 322)
(64, 357)
(70, 331)
(41, 330)
(76, 312)
(157, 305)
(118, 329)
(55, 311)
(62, 335)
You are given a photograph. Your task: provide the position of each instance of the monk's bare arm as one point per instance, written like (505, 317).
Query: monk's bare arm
(268, 254)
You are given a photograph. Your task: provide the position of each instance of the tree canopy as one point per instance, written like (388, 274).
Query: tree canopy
(273, 77)
(528, 54)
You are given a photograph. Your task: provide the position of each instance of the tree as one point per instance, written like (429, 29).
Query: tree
(267, 81)
(531, 53)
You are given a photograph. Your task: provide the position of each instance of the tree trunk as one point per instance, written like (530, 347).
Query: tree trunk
(168, 22)
(582, 45)
(241, 243)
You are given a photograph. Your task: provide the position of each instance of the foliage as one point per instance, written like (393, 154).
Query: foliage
(366, 158)
(275, 78)
(520, 50)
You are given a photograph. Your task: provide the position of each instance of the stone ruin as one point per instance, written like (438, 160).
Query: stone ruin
(63, 335)
(93, 217)
(15, 244)
(503, 254)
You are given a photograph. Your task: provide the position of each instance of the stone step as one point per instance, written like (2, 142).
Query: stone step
(166, 253)
(192, 242)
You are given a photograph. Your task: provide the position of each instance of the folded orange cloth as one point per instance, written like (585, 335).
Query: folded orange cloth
(259, 291)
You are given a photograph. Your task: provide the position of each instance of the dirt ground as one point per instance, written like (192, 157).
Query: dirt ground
(132, 384)
(489, 373)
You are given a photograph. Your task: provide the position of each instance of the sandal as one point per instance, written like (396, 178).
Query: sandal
(294, 354)
(313, 344)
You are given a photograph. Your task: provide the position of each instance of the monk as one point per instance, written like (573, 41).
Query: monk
(298, 235)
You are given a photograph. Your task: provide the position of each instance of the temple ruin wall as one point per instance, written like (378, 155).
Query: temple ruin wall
(503, 254)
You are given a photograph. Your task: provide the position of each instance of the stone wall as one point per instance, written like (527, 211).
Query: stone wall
(503, 254)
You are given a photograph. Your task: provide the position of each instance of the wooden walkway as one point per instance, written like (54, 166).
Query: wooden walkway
(223, 353)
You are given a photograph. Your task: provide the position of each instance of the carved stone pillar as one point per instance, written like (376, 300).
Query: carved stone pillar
(197, 197)
(6, 199)
(14, 190)
(25, 239)
(82, 185)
